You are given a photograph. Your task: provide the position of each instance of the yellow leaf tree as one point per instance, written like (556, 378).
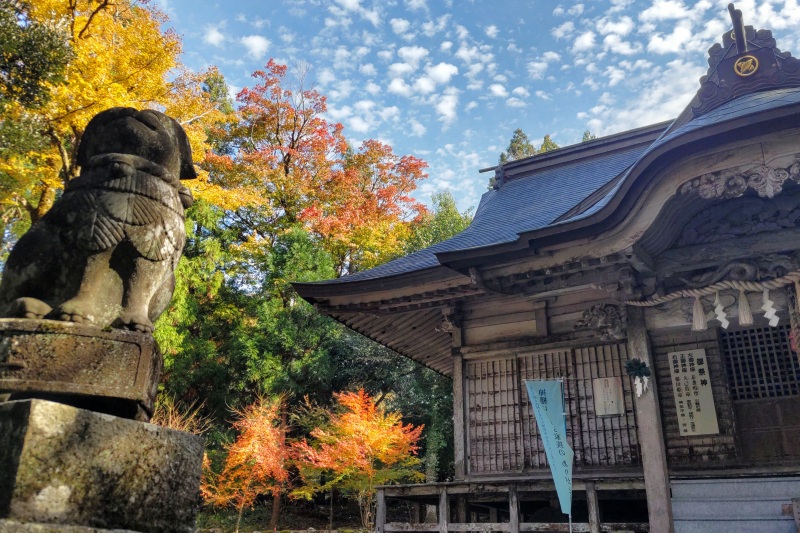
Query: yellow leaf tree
(120, 57)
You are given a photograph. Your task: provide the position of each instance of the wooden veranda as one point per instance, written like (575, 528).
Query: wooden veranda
(487, 506)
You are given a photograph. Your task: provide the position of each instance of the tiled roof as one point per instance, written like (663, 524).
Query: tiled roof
(746, 105)
(538, 200)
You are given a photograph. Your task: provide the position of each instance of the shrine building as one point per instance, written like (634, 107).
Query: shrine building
(675, 246)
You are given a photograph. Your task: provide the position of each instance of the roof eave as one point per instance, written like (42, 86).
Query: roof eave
(527, 243)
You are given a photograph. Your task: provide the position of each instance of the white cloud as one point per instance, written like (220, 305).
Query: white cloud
(671, 86)
(564, 30)
(400, 26)
(286, 35)
(575, 10)
(359, 125)
(583, 42)
(543, 95)
(447, 105)
(416, 5)
(471, 105)
(412, 54)
(441, 72)
(664, 10)
(515, 102)
(613, 43)
(551, 56)
(397, 70)
(445, 46)
(213, 36)
(417, 129)
(386, 55)
(671, 43)
(492, 31)
(424, 85)
(368, 69)
(498, 90)
(521, 91)
(614, 75)
(256, 45)
(400, 87)
(431, 28)
(372, 88)
(326, 76)
(538, 67)
(622, 26)
(349, 5)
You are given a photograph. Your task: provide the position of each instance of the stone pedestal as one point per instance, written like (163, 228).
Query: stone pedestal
(65, 469)
(109, 371)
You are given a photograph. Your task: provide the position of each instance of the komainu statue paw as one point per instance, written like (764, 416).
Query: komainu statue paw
(71, 311)
(29, 308)
(134, 322)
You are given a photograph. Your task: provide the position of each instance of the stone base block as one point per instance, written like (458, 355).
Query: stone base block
(71, 467)
(114, 371)
(12, 526)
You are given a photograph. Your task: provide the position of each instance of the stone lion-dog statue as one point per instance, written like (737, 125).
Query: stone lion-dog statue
(106, 252)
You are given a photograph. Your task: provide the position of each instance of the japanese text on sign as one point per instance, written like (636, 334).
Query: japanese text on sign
(691, 387)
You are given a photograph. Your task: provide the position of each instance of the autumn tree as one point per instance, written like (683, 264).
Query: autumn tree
(360, 448)
(256, 461)
(118, 56)
(299, 168)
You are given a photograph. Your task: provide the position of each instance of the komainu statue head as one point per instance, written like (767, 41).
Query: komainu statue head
(106, 252)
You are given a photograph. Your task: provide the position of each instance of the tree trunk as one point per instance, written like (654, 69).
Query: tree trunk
(276, 511)
(239, 519)
(276, 497)
(330, 516)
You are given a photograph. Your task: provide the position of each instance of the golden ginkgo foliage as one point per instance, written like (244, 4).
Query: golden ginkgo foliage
(120, 57)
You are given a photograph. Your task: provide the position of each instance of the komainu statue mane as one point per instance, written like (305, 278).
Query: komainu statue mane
(106, 252)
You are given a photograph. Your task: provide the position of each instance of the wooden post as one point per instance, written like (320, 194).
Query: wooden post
(461, 508)
(513, 510)
(444, 510)
(458, 416)
(416, 513)
(650, 431)
(594, 508)
(796, 511)
(380, 512)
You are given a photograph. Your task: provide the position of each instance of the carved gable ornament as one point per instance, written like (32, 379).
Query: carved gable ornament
(766, 181)
(608, 320)
(747, 61)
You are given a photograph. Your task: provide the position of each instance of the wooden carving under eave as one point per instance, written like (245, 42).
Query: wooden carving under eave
(764, 180)
(608, 320)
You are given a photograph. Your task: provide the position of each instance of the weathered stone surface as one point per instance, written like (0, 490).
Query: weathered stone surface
(13, 526)
(106, 251)
(113, 371)
(68, 466)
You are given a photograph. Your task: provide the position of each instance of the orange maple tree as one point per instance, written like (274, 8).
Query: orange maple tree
(360, 448)
(256, 461)
(300, 169)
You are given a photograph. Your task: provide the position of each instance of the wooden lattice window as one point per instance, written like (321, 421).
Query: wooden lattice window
(760, 363)
(501, 429)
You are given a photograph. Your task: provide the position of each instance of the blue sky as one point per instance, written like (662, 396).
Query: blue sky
(449, 81)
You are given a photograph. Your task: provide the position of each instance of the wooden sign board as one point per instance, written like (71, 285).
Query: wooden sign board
(608, 399)
(691, 387)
